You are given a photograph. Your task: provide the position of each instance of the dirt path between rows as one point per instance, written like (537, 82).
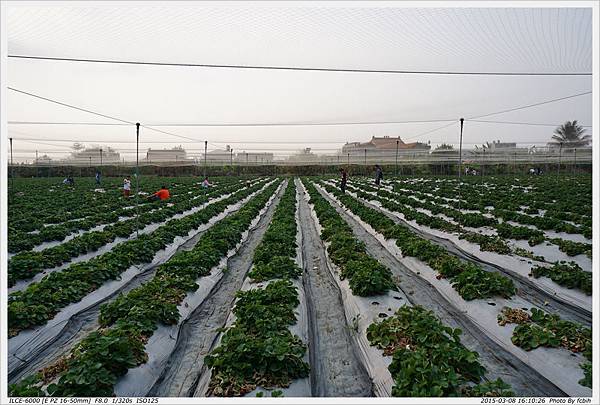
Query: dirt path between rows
(198, 334)
(336, 370)
(498, 362)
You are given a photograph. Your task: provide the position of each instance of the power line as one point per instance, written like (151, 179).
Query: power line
(298, 68)
(98, 114)
(531, 105)
(524, 123)
(265, 124)
(432, 130)
(69, 105)
(163, 142)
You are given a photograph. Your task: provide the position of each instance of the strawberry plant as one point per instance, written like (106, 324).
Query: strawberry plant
(428, 359)
(93, 366)
(569, 275)
(365, 274)
(41, 301)
(469, 280)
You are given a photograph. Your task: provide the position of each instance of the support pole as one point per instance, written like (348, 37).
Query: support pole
(90, 161)
(348, 160)
(574, 160)
(559, 158)
(137, 177)
(462, 120)
(396, 168)
(100, 156)
(205, 147)
(11, 168)
(231, 157)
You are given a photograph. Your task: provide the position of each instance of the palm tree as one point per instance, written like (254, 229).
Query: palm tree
(571, 134)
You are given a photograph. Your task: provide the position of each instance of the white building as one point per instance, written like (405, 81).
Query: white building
(177, 154)
(254, 158)
(95, 155)
(222, 156)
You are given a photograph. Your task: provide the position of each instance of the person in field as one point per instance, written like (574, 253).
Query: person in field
(344, 180)
(378, 175)
(162, 194)
(205, 183)
(126, 186)
(98, 177)
(69, 181)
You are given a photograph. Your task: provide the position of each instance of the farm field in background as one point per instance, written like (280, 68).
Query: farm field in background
(287, 286)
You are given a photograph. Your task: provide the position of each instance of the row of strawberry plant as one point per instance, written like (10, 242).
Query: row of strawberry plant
(25, 265)
(259, 349)
(33, 207)
(472, 220)
(40, 301)
(507, 201)
(539, 328)
(486, 242)
(467, 278)
(428, 359)
(365, 274)
(20, 241)
(389, 201)
(95, 364)
(274, 257)
(569, 275)
(270, 355)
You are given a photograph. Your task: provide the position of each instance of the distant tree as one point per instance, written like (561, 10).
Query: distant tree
(571, 134)
(444, 146)
(483, 148)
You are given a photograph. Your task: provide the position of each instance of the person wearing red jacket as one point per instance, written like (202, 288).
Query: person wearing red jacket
(162, 194)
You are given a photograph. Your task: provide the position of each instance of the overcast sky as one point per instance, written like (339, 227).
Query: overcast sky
(365, 37)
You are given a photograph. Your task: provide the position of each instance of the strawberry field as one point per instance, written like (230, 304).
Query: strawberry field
(286, 286)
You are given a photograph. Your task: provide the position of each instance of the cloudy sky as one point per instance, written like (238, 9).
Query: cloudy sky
(372, 36)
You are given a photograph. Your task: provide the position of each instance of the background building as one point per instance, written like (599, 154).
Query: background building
(176, 154)
(94, 156)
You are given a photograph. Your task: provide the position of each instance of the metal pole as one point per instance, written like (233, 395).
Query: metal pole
(559, 158)
(205, 146)
(231, 157)
(482, 164)
(396, 168)
(11, 168)
(100, 156)
(462, 120)
(348, 159)
(137, 177)
(574, 160)
(90, 161)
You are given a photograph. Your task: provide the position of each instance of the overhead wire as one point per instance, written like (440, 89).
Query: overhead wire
(523, 123)
(299, 68)
(258, 124)
(530, 105)
(96, 113)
